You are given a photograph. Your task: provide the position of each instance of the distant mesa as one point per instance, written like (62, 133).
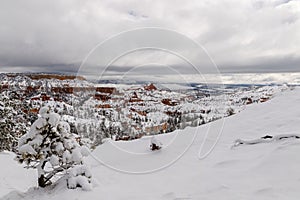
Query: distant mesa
(55, 76)
(37, 76)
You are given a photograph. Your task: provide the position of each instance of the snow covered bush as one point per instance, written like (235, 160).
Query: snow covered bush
(155, 144)
(50, 148)
(79, 176)
(230, 111)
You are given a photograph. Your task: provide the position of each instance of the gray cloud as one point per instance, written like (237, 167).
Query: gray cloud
(240, 36)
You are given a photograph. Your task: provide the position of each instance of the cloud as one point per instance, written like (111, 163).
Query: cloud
(248, 35)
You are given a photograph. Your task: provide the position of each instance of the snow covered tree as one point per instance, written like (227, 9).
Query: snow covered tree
(50, 148)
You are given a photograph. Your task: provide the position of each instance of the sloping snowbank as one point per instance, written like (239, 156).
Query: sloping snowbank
(129, 170)
(13, 176)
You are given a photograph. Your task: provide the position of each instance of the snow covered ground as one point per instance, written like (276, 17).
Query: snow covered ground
(129, 170)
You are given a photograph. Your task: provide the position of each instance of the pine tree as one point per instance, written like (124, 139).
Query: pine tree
(50, 148)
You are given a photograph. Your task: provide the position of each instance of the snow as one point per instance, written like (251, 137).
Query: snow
(129, 170)
(79, 175)
(54, 119)
(76, 155)
(266, 139)
(59, 147)
(14, 177)
(68, 144)
(43, 112)
(66, 157)
(154, 140)
(39, 123)
(54, 160)
(80, 170)
(64, 127)
(27, 149)
(37, 140)
(85, 151)
(79, 180)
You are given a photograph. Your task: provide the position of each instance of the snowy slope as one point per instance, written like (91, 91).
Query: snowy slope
(13, 176)
(128, 170)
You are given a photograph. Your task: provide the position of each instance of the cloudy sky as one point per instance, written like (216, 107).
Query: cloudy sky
(239, 36)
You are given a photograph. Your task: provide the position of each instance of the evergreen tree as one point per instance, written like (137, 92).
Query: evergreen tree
(50, 148)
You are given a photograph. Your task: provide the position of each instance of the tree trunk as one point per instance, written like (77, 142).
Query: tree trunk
(41, 181)
(41, 176)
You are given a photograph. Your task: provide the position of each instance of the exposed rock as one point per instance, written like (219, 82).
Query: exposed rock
(150, 87)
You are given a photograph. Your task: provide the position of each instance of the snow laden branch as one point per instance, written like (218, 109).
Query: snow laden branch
(50, 148)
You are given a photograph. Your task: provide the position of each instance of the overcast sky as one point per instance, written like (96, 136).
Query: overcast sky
(240, 36)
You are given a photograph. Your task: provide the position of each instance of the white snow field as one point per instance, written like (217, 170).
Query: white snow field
(129, 170)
